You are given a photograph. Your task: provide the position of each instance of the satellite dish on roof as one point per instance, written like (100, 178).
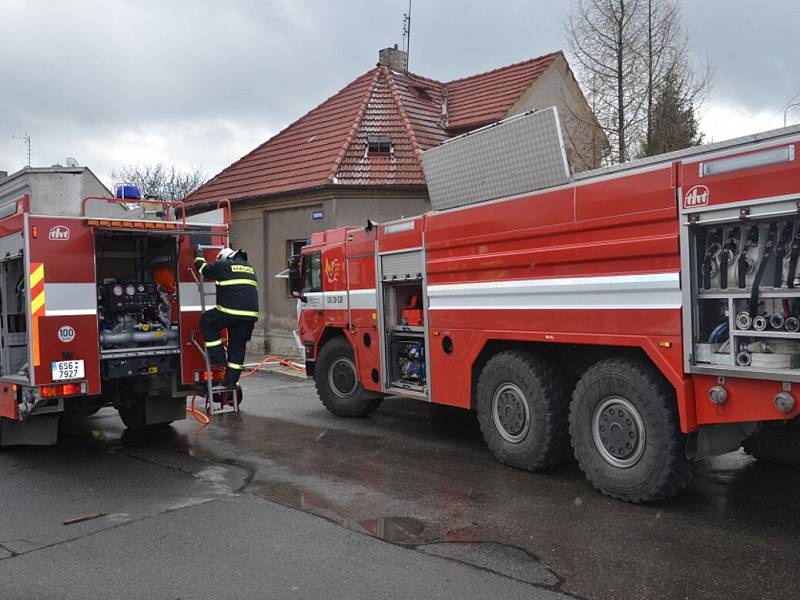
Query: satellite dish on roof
(72, 162)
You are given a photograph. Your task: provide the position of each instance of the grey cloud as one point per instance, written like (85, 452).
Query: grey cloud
(752, 46)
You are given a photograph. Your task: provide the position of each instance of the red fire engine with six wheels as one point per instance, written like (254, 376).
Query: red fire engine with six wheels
(646, 314)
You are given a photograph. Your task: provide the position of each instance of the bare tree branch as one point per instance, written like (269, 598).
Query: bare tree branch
(160, 181)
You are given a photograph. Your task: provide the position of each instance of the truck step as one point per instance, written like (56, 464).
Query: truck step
(221, 410)
(215, 407)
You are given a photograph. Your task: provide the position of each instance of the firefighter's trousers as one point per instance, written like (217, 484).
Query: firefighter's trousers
(240, 329)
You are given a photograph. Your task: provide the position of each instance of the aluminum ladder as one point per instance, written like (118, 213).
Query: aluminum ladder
(211, 389)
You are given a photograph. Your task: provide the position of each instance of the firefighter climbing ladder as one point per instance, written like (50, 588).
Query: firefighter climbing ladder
(210, 388)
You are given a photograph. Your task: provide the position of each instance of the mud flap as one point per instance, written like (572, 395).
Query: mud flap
(39, 430)
(715, 440)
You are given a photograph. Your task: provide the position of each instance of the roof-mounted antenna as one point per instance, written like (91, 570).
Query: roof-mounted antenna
(407, 31)
(26, 139)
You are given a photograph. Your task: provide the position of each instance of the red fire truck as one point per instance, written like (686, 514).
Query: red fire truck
(645, 314)
(99, 304)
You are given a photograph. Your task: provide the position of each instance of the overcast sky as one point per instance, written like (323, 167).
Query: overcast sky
(200, 83)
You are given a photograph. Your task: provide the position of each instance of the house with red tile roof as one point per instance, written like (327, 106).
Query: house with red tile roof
(358, 156)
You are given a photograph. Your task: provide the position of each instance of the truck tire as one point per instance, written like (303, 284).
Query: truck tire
(338, 386)
(134, 416)
(776, 442)
(77, 416)
(522, 403)
(625, 432)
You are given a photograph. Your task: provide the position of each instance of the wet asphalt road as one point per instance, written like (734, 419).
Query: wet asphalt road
(458, 523)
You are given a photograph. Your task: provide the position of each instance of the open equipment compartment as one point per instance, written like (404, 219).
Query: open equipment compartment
(405, 334)
(137, 300)
(401, 282)
(746, 297)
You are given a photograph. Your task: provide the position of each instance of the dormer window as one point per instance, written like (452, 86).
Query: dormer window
(379, 144)
(422, 93)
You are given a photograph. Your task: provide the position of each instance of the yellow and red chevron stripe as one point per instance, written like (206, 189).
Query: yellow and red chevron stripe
(37, 289)
(37, 306)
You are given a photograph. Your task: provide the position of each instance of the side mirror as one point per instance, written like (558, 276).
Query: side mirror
(296, 277)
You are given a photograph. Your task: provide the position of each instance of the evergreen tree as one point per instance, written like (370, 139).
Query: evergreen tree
(674, 124)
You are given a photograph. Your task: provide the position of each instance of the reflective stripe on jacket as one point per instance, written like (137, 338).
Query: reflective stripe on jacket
(237, 286)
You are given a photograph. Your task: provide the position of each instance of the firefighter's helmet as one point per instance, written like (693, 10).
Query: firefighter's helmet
(225, 254)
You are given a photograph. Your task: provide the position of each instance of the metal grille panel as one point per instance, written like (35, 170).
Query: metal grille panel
(521, 154)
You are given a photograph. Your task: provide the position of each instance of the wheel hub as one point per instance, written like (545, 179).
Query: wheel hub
(342, 377)
(618, 432)
(511, 412)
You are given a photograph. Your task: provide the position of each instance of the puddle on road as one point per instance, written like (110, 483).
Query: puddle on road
(462, 545)
(395, 529)
(398, 530)
(499, 558)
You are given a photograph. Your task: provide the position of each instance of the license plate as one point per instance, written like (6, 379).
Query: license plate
(67, 369)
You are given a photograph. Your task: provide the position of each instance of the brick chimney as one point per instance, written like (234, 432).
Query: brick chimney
(395, 59)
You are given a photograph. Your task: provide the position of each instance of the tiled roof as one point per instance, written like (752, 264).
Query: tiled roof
(485, 98)
(422, 100)
(408, 110)
(329, 145)
(302, 156)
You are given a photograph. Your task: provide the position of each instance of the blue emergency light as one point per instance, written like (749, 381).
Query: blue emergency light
(127, 191)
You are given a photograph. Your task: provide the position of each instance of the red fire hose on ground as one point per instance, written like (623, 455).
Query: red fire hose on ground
(198, 415)
(203, 419)
(276, 359)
